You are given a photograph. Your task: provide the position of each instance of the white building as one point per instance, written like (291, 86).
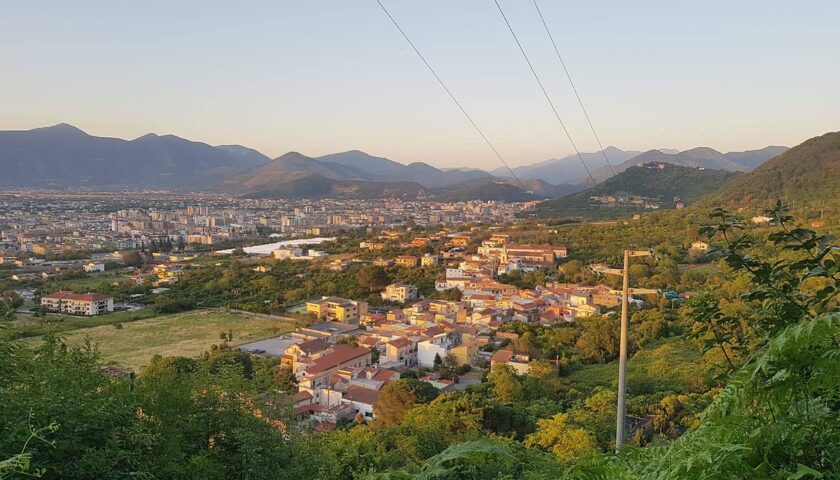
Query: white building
(427, 350)
(94, 267)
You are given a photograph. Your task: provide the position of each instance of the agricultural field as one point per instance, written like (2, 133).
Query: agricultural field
(187, 334)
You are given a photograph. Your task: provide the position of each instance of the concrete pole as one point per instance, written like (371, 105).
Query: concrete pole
(622, 355)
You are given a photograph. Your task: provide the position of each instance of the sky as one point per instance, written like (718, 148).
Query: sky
(320, 76)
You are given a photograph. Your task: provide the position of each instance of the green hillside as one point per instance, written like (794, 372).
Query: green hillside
(637, 188)
(806, 173)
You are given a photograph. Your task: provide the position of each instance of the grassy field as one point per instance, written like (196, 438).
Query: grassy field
(187, 334)
(93, 280)
(30, 326)
(673, 365)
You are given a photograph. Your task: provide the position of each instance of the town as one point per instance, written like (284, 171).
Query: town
(344, 351)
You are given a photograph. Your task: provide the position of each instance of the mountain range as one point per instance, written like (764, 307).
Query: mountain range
(65, 156)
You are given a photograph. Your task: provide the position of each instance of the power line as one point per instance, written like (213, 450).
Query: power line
(574, 89)
(545, 93)
(451, 95)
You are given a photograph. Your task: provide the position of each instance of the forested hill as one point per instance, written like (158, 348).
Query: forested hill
(806, 173)
(637, 188)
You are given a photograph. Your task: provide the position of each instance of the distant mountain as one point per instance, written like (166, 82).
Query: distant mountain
(656, 183)
(567, 169)
(700, 157)
(63, 155)
(248, 156)
(806, 173)
(382, 169)
(297, 175)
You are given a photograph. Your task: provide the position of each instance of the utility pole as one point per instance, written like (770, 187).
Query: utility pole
(622, 353)
(625, 325)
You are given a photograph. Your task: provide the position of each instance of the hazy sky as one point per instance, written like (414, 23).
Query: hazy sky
(326, 76)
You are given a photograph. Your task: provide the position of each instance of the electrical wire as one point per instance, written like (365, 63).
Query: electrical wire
(574, 89)
(451, 95)
(545, 93)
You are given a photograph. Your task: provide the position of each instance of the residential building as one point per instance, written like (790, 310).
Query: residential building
(406, 261)
(94, 267)
(78, 304)
(520, 364)
(400, 352)
(337, 309)
(400, 292)
(429, 260)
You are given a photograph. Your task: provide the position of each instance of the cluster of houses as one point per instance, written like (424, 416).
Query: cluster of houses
(343, 362)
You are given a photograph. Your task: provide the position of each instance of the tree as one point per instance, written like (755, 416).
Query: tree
(132, 258)
(505, 383)
(285, 380)
(566, 442)
(372, 277)
(397, 398)
(599, 339)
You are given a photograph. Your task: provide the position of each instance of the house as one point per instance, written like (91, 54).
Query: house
(78, 304)
(520, 364)
(438, 345)
(698, 248)
(310, 348)
(429, 260)
(400, 352)
(459, 241)
(337, 309)
(419, 242)
(362, 399)
(399, 292)
(317, 372)
(409, 261)
(465, 353)
(94, 267)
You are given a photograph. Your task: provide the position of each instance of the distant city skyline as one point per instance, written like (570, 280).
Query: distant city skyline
(328, 76)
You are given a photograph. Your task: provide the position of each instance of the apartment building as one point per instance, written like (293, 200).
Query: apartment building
(88, 304)
(336, 309)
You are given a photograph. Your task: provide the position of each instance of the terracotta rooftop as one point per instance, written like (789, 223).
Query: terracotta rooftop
(364, 395)
(400, 342)
(341, 354)
(88, 297)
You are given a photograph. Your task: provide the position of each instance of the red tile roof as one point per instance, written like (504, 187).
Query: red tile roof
(502, 356)
(342, 354)
(368, 396)
(88, 297)
(400, 342)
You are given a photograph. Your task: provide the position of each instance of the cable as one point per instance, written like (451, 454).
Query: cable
(574, 89)
(451, 95)
(545, 93)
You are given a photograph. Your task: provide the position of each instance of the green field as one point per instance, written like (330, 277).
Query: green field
(31, 326)
(187, 334)
(92, 281)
